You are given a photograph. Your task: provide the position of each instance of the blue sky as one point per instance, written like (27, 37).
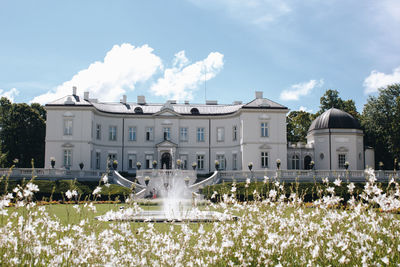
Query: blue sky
(291, 50)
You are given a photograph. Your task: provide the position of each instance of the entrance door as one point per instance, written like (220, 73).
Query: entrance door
(307, 161)
(166, 161)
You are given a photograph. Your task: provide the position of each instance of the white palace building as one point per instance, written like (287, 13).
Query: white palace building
(84, 130)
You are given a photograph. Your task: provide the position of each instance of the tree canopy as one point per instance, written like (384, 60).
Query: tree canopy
(331, 99)
(381, 122)
(22, 134)
(298, 123)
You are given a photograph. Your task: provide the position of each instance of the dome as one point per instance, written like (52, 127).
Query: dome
(334, 119)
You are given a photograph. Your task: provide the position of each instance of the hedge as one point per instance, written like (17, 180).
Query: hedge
(307, 191)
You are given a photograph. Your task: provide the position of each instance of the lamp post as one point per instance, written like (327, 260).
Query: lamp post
(53, 162)
(216, 165)
(278, 164)
(194, 165)
(250, 166)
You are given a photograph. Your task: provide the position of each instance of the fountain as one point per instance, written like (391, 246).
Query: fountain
(177, 190)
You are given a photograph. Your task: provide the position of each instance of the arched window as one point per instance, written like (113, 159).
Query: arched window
(194, 111)
(138, 110)
(295, 162)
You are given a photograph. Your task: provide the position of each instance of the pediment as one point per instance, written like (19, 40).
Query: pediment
(342, 149)
(68, 114)
(67, 145)
(167, 112)
(166, 143)
(265, 146)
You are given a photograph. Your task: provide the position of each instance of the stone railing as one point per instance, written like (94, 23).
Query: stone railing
(52, 174)
(165, 172)
(304, 175)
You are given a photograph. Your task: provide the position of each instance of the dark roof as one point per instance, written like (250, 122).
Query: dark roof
(334, 119)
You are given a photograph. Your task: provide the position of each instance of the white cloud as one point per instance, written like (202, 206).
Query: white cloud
(258, 12)
(123, 66)
(377, 80)
(300, 89)
(11, 94)
(180, 81)
(305, 109)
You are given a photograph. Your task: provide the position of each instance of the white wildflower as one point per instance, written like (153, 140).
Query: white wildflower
(337, 182)
(330, 190)
(351, 187)
(272, 193)
(97, 191)
(70, 194)
(385, 260)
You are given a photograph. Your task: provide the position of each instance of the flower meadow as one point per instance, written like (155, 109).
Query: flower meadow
(276, 229)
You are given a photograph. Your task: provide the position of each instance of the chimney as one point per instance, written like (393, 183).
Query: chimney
(259, 94)
(123, 100)
(73, 90)
(86, 96)
(141, 100)
(211, 102)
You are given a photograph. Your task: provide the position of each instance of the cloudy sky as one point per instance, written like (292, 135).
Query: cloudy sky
(195, 49)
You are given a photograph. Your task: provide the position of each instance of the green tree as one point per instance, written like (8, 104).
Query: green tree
(331, 99)
(297, 123)
(381, 122)
(22, 133)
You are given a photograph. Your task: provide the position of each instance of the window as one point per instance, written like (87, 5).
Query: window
(149, 161)
(200, 134)
(184, 134)
(67, 158)
(341, 160)
(112, 156)
(234, 133)
(264, 129)
(234, 161)
(200, 162)
(295, 162)
(264, 159)
(98, 160)
(184, 159)
(131, 161)
(68, 127)
(221, 160)
(194, 111)
(149, 133)
(138, 110)
(98, 131)
(220, 134)
(167, 133)
(112, 133)
(132, 134)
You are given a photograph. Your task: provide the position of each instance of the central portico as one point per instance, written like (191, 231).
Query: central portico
(166, 151)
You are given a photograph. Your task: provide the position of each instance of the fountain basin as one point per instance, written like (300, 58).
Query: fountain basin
(156, 216)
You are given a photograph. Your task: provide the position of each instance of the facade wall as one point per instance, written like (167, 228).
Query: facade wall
(253, 143)
(79, 142)
(330, 143)
(91, 144)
